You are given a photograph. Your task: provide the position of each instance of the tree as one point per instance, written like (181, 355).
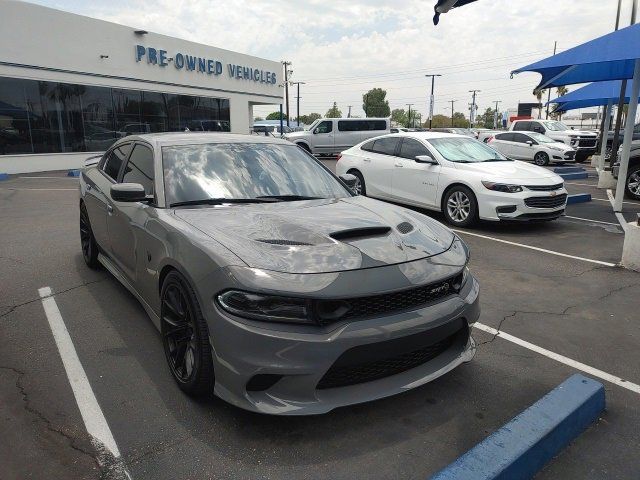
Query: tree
(276, 116)
(375, 103)
(460, 121)
(561, 90)
(486, 119)
(539, 93)
(399, 116)
(334, 112)
(310, 118)
(439, 121)
(258, 119)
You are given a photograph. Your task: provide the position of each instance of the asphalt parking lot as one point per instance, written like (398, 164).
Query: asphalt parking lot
(555, 285)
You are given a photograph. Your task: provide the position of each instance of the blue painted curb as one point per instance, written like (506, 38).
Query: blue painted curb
(568, 170)
(578, 198)
(518, 450)
(73, 173)
(574, 176)
(4, 176)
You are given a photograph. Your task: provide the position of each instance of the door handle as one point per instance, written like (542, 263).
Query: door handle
(399, 165)
(367, 159)
(110, 209)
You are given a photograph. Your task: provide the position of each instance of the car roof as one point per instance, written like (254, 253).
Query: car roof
(428, 135)
(191, 138)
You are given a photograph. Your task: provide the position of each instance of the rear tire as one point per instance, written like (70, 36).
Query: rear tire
(87, 240)
(460, 207)
(185, 337)
(541, 159)
(632, 185)
(359, 188)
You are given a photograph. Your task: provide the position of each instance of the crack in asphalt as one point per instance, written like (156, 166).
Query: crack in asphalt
(12, 308)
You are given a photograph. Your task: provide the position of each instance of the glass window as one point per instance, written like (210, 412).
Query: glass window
(386, 145)
(241, 170)
(15, 132)
(521, 138)
(139, 168)
(349, 126)
(368, 146)
(114, 160)
(126, 107)
(324, 127)
(154, 111)
(506, 137)
(97, 116)
(465, 150)
(554, 126)
(411, 148)
(522, 126)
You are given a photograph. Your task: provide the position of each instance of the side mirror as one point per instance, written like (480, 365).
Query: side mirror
(315, 131)
(128, 192)
(426, 159)
(349, 180)
(530, 143)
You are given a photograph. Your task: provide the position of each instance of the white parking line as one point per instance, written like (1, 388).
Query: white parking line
(589, 220)
(43, 189)
(551, 252)
(619, 216)
(94, 420)
(582, 184)
(561, 358)
(607, 200)
(64, 178)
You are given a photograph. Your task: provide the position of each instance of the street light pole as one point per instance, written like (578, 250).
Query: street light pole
(286, 87)
(472, 115)
(431, 99)
(451, 102)
(495, 117)
(298, 100)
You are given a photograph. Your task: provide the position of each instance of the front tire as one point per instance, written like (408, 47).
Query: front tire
(541, 159)
(359, 188)
(185, 337)
(632, 185)
(460, 207)
(87, 240)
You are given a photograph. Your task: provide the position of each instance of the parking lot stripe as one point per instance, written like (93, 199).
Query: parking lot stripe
(589, 220)
(94, 420)
(57, 178)
(582, 184)
(607, 200)
(621, 220)
(43, 189)
(560, 358)
(538, 249)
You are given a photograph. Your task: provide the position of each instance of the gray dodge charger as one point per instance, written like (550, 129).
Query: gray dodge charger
(271, 283)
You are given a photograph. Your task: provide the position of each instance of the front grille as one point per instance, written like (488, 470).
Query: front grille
(545, 188)
(404, 300)
(546, 202)
(366, 363)
(587, 142)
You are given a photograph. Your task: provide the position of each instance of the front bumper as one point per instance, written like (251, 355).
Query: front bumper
(496, 206)
(298, 357)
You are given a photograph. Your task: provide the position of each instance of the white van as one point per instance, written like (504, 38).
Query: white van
(333, 135)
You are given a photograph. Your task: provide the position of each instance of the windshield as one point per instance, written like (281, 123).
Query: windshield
(538, 137)
(244, 171)
(312, 126)
(555, 126)
(465, 150)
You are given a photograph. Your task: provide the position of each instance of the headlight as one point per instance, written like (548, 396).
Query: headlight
(268, 308)
(502, 187)
(557, 149)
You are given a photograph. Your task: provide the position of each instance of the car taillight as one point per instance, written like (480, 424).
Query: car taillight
(338, 157)
(489, 140)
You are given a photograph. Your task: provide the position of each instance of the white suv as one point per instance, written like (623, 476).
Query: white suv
(585, 143)
(531, 146)
(333, 135)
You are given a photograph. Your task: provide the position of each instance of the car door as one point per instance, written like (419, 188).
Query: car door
(521, 149)
(503, 142)
(97, 193)
(126, 221)
(323, 137)
(413, 181)
(378, 166)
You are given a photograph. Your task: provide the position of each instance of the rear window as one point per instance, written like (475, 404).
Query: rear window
(507, 137)
(523, 126)
(361, 125)
(386, 145)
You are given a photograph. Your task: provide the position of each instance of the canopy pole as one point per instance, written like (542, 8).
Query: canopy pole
(616, 134)
(628, 137)
(605, 133)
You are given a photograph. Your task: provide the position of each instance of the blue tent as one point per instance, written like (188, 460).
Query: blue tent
(592, 95)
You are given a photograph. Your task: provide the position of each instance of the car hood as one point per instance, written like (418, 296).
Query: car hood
(300, 134)
(508, 171)
(320, 236)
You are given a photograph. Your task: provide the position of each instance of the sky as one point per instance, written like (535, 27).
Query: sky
(341, 49)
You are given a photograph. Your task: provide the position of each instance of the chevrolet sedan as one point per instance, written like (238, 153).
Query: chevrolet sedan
(271, 283)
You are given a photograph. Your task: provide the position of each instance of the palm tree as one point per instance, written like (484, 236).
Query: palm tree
(539, 93)
(561, 91)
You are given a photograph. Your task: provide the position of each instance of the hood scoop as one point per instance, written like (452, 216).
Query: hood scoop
(360, 233)
(405, 227)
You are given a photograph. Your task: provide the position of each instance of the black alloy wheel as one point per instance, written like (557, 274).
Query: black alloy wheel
(541, 159)
(185, 337)
(633, 182)
(87, 240)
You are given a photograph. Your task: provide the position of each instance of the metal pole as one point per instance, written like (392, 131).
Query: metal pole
(495, 117)
(472, 113)
(452, 102)
(605, 130)
(618, 14)
(281, 126)
(409, 119)
(555, 46)
(349, 114)
(431, 106)
(298, 107)
(286, 86)
(628, 137)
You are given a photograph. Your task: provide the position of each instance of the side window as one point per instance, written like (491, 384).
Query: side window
(411, 148)
(520, 138)
(636, 129)
(348, 125)
(386, 145)
(324, 127)
(536, 127)
(374, 125)
(523, 126)
(139, 168)
(507, 137)
(114, 160)
(368, 147)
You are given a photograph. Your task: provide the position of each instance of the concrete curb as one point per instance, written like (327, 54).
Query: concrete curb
(578, 198)
(568, 170)
(574, 176)
(518, 450)
(4, 176)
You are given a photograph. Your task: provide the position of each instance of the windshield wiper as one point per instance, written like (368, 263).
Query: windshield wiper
(219, 201)
(497, 160)
(288, 198)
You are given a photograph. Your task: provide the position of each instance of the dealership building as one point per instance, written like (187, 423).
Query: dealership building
(71, 85)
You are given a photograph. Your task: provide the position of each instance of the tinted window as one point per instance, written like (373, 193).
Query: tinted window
(196, 172)
(507, 137)
(386, 145)
(374, 125)
(114, 160)
(411, 148)
(368, 146)
(139, 168)
(522, 126)
(349, 125)
(537, 127)
(324, 127)
(521, 138)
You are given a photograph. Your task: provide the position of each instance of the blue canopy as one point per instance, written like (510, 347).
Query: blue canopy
(610, 57)
(592, 95)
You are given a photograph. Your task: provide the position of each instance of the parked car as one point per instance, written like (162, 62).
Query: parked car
(532, 146)
(460, 176)
(584, 143)
(271, 283)
(460, 131)
(632, 184)
(332, 135)
(270, 130)
(487, 135)
(611, 135)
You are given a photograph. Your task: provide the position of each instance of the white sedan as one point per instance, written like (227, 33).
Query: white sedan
(460, 176)
(532, 146)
